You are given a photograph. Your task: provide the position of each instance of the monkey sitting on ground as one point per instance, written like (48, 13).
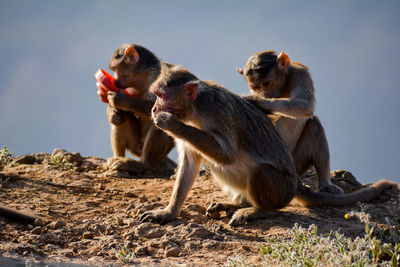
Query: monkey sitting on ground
(239, 144)
(135, 68)
(285, 90)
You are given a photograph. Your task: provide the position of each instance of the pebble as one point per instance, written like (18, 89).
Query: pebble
(130, 194)
(37, 230)
(57, 224)
(149, 230)
(87, 235)
(173, 252)
(39, 222)
(119, 221)
(200, 233)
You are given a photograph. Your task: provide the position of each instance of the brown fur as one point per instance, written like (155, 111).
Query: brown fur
(131, 125)
(287, 92)
(237, 142)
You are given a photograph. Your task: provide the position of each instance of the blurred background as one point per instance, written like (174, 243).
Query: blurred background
(50, 50)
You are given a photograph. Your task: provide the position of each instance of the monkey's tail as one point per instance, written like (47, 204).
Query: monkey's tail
(309, 198)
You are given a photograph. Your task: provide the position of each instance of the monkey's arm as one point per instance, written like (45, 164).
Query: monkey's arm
(218, 149)
(299, 105)
(139, 106)
(186, 174)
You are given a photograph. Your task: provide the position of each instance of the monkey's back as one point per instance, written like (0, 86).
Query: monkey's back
(246, 125)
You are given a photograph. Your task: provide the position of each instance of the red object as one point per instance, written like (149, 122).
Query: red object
(106, 80)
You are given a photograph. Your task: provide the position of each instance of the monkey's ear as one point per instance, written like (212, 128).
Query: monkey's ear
(283, 61)
(131, 55)
(191, 89)
(240, 71)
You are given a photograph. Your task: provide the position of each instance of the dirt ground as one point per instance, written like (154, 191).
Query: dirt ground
(93, 216)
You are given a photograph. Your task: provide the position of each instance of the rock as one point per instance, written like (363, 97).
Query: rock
(247, 248)
(37, 230)
(39, 222)
(149, 230)
(73, 157)
(200, 233)
(173, 252)
(57, 224)
(119, 221)
(87, 235)
(25, 159)
(141, 251)
(130, 194)
(100, 186)
(47, 238)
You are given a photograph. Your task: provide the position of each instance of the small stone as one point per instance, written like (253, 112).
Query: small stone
(39, 222)
(130, 194)
(57, 224)
(247, 248)
(143, 199)
(87, 235)
(25, 159)
(173, 252)
(200, 233)
(119, 221)
(37, 230)
(100, 186)
(149, 230)
(141, 251)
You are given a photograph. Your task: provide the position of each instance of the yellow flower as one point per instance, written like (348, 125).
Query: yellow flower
(346, 216)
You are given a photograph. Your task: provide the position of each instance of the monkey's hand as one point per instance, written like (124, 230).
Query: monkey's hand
(165, 120)
(116, 100)
(115, 116)
(265, 105)
(162, 216)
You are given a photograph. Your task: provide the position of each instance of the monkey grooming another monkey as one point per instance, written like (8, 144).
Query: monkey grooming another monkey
(285, 90)
(239, 144)
(135, 68)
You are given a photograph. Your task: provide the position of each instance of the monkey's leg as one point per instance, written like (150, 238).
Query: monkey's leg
(268, 189)
(124, 136)
(312, 149)
(156, 147)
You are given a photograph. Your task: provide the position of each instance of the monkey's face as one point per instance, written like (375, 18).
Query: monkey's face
(124, 63)
(175, 92)
(265, 83)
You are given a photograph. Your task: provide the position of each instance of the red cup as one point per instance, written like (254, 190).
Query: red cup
(106, 80)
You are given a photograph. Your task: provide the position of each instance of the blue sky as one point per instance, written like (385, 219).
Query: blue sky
(50, 51)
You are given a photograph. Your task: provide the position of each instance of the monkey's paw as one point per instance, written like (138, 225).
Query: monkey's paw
(239, 218)
(216, 207)
(164, 120)
(162, 216)
(116, 100)
(332, 189)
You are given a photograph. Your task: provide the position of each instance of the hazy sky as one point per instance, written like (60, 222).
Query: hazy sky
(50, 50)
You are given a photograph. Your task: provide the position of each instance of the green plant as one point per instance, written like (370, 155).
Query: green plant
(63, 161)
(237, 261)
(125, 255)
(5, 156)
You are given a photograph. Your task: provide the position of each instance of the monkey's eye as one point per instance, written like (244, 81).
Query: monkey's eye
(265, 84)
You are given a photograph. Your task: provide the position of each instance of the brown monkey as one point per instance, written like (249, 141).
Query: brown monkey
(135, 68)
(286, 90)
(223, 131)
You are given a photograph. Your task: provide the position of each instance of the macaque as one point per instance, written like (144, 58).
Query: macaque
(285, 90)
(135, 68)
(240, 145)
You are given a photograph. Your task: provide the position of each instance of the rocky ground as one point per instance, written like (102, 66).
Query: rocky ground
(88, 217)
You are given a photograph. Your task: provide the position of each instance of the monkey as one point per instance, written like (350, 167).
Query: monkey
(219, 129)
(135, 68)
(285, 91)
